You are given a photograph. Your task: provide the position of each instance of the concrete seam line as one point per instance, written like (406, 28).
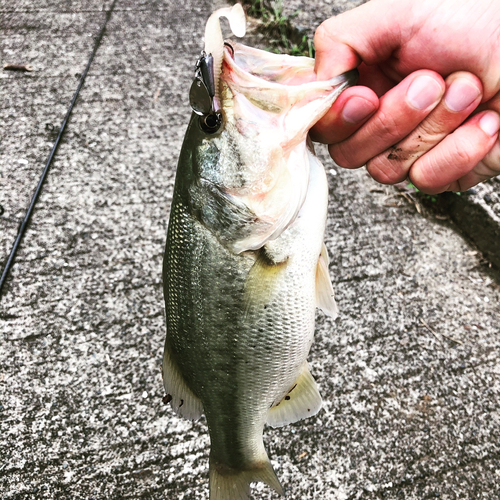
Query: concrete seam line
(24, 224)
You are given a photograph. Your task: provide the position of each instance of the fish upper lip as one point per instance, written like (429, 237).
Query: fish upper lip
(349, 77)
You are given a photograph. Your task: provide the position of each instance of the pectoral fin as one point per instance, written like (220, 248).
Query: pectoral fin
(262, 280)
(180, 396)
(302, 400)
(325, 297)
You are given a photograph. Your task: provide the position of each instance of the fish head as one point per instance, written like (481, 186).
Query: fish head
(247, 141)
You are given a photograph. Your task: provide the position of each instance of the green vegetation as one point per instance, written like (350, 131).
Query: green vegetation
(428, 197)
(278, 29)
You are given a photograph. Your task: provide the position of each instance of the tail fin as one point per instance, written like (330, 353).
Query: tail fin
(233, 484)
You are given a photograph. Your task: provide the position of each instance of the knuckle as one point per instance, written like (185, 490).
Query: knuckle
(430, 132)
(387, 127)
(386, 172)
(492, 160)
(462, 154)
(323, 34)
(320, 33)
(342, 155)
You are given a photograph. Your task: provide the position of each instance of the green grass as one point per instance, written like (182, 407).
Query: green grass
(278, 29)
(428, 197)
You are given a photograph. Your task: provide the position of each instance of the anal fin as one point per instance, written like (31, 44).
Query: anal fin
(182, 398)
(325, 297)
(302, 400)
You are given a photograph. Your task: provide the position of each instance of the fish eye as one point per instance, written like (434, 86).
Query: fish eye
(211, 123)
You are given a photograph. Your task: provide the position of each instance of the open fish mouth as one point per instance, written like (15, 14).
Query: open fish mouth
(279, 83)
(264, 77)
(278, 68)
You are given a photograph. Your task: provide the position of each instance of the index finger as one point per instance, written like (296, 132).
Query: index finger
(365, 33)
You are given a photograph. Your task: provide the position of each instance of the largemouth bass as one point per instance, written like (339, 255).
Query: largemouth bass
(245, 265)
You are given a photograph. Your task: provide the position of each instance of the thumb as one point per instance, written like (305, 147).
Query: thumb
(369, 33)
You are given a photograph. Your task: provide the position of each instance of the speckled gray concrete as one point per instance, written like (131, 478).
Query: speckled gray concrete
(410, 372)
(477, 213)
(307, 16)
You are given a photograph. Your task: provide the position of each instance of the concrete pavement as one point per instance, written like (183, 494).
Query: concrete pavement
(409, 372)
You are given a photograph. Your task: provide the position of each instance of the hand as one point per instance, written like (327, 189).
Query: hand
(429, 108)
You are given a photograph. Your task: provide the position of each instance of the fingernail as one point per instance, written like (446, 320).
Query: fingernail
(357, 109)
(461, 94)
(490, 123)
(423, 92)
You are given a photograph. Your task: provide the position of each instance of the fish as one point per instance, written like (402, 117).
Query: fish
(245, 265)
